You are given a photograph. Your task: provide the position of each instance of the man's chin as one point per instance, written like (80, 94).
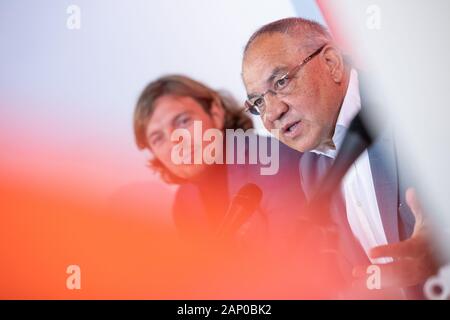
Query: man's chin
(191, 172)
(300, 145)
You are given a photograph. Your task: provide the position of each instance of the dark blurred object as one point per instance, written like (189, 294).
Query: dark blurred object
(242, 206)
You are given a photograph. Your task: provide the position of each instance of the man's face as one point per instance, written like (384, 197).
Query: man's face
(306, 116)
(170, 113)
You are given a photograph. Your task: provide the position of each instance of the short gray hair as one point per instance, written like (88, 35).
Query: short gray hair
(314, 35)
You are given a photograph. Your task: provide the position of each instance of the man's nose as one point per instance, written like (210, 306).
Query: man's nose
(275, 109)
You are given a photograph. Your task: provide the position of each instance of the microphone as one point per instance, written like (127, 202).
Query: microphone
(242, 206)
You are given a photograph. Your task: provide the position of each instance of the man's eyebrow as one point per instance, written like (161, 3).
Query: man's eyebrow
(158, 131)
(252, 95)
(178, 116)
(276, 72)
(153, 133)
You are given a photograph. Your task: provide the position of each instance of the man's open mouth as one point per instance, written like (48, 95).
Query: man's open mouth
(291, 128)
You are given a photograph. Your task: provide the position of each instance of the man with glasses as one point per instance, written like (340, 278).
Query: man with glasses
(298, 81)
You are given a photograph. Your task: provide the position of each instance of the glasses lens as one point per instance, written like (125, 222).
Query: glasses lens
(254, 110)
(250, 107)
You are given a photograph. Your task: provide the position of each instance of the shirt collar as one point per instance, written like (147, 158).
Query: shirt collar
(350, 107)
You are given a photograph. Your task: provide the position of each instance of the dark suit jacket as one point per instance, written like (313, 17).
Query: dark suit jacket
(280, 206)
(390, 186)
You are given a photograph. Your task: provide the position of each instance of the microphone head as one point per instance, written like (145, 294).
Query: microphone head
(242, 206)
(249, 197)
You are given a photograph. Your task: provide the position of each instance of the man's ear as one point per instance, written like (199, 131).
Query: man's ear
(217, 113)
(334, 62)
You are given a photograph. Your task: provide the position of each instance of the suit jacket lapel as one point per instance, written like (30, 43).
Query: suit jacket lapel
(384, 173)
(313, 168)
(382, 157)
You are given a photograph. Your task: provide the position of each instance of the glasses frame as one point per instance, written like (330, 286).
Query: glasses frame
(253, 109)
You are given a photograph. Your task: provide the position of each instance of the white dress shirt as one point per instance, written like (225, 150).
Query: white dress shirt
(358, 188)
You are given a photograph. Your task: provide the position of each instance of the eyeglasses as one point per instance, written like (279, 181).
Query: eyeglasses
(281, 86)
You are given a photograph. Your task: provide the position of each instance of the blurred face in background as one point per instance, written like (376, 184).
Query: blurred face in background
(306, 112)
(179, 112)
